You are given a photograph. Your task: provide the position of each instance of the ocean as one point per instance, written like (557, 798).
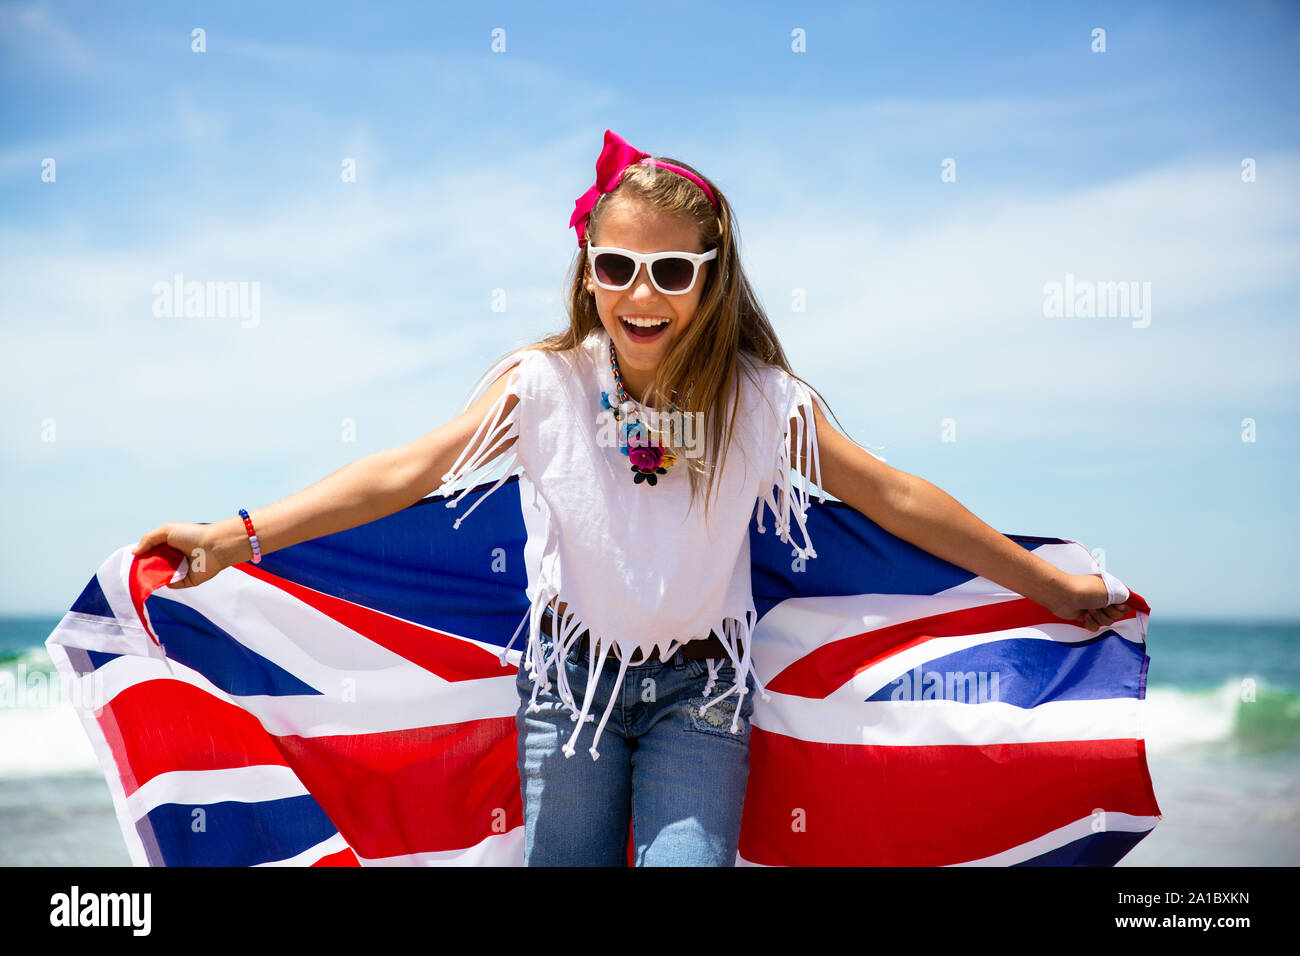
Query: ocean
(1223, 746)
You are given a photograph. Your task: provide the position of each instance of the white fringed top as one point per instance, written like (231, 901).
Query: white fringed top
(629, 563)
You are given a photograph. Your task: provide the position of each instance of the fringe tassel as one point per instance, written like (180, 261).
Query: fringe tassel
(738, 638)
(496, 429)
(787, 499)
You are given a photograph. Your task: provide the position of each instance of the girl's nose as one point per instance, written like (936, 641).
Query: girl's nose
(641, 283)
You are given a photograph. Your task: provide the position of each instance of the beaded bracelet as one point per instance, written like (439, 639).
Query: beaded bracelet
(252, 536)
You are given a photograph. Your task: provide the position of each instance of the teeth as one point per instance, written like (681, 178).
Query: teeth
(643, 323)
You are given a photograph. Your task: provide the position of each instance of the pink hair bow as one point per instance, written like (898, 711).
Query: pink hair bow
(616, 155)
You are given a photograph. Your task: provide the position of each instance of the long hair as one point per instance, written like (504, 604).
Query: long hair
(704, 363)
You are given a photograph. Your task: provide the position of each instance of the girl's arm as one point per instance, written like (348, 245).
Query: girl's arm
(360, 492)
(913, 509)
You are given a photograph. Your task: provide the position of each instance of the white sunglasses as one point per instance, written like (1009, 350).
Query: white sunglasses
(673, 273)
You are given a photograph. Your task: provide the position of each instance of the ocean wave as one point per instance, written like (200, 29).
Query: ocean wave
(1241, 715)
(33, 658)
(43, 740)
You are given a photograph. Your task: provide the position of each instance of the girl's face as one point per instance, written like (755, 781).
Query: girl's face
(633, 225)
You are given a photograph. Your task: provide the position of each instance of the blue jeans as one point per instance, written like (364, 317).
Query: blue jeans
(676, 775)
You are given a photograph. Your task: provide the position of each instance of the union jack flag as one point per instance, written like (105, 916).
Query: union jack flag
(345, 703)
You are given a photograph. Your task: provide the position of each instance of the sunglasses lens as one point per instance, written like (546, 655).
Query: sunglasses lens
(613, 269)
(674, 274)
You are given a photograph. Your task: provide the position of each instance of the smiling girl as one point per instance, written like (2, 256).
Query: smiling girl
(641, 612)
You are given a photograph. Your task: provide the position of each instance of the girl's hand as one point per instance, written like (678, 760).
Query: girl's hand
(193, 541)
(1085, 603)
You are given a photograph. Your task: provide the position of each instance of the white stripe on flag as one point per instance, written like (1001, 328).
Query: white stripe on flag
(944, 722)
(244, 784)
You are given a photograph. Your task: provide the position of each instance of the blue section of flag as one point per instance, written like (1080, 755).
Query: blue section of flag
(190, 638)
(99, 658)
(92, 600)
(236, 833)
(1026, 672)
(1096, 849)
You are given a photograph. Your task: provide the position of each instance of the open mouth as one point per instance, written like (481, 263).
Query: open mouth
(643, 328)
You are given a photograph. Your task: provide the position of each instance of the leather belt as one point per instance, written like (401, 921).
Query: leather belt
(702, 648)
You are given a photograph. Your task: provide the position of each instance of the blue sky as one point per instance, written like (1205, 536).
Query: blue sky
(924, 297)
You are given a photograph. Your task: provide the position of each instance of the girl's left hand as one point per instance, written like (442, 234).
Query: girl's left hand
(1086, 603)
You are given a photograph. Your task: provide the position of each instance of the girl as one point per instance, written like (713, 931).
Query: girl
(648, 433)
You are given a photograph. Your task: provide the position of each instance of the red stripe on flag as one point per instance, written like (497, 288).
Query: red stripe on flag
(157, 726)
(823, 671)
(414, 791)
(449, 657)
(148, 572)
(817, 804)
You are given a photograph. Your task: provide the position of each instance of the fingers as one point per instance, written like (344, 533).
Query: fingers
(1103, 617)
(154, 537)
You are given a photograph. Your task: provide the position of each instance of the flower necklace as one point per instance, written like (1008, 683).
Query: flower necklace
(649, 457)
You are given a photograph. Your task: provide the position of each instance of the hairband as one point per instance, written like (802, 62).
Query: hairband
(616, 155)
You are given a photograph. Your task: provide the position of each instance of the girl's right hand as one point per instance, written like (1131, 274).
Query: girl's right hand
(193, 541)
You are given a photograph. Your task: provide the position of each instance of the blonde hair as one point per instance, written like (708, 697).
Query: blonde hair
(705, 360)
